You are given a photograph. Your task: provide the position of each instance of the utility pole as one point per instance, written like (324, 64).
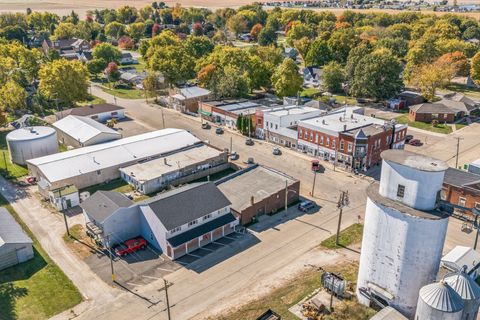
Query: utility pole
(476, 236)
(286, 197)
(458, 148)
(231, 144)
(111, 258)
(64, 215)
(5, 161)
(314, 178)
(163, 118)
(168, 302)
(342, 202)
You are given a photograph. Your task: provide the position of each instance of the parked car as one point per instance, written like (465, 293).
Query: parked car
(249, 142)
(206, 125)
(276, 152)
(130, 246)
(32, 180)
(234, 156)
(219, 131)
(415, 142)
(408, 137)
(305, 206)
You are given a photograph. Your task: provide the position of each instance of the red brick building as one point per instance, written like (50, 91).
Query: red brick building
(349, 139)
(461, 189)
(427, 112)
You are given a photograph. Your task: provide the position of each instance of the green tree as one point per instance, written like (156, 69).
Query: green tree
(318, 54)
(377, 76)
(198, 47)
(354, 57)
(298, 31)
(12, 97)
(287, 80)
(302, 46)
(64, 80)
(237, 24)
(333, 77)
(96, 66)
(341, 42)
(136, 30)
(431, 76)
(126, 14)
(64, 30)
(115, 29)
(152, 84)
(107, 52)
(475, 69)
(267, 36)
(173, 62)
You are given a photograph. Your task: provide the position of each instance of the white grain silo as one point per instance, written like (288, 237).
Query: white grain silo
(403, 235)
(438, 301)
(468, 290)
(31, 142)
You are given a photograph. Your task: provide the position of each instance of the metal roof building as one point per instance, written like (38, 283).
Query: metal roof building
(96, 164)
(15, 245)
(77, 131)
(439, 301)
(461, 256)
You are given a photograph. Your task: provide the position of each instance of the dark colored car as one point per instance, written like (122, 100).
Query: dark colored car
(408, 137)
(130, 246)
(415, 142)
(206, 125)
(276, 152)
(249, 142)
(305, 206)
(219, 131)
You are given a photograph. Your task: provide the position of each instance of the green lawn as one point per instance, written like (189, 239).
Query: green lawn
(471, 92)
(91, 100)
(7, 168)
(441, 128)
(309, 92)
(123, 91)
(350, 235)
(36, 289)
(117, 185)
(284, 297)
(459, 126)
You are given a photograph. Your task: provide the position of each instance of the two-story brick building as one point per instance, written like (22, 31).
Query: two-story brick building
(349, 139)
(461, 189)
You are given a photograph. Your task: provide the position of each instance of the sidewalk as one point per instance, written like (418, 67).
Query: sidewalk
(49, 229)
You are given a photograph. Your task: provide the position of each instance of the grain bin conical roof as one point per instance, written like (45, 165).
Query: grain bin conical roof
(465, 286)
(442, 297)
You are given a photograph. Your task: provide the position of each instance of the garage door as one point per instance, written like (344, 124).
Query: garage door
(8, 259)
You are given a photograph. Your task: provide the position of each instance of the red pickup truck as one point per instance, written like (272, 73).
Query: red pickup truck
(130, 246)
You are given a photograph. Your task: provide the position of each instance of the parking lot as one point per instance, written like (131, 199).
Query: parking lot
(145, 266)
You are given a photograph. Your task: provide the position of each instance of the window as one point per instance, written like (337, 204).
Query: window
(276, 126)
(400, 191)
(99, 172)
(305, 134)
(175, 230)
(477, 205)
(350, 147)
(208, 216)
(114, 113)
(389, 139)
(311, 136)
(462, 201)
(321, 139)
(334, 143)
(328, 141)
(192, 223)
(342, 145)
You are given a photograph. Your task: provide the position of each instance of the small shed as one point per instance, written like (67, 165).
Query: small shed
(15, 244)
(64, 197)
(461, 256)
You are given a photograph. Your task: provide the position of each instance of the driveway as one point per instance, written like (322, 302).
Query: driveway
(49, 229)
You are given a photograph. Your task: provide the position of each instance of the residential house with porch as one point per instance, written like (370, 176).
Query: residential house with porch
(349, 139)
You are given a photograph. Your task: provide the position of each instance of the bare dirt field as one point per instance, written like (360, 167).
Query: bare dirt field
(63, 7)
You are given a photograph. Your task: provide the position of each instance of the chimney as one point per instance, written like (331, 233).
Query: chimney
(252, 200)
(344, 127)
(351, 116)
(323, 121)
(165, 161)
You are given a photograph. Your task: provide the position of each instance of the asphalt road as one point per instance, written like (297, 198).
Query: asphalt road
(225, 278)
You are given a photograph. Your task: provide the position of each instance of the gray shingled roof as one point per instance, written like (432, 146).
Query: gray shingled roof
(92, 109)
(10, 230)
(180, 206)
(460, 178)
(102, 204)
(431, 108)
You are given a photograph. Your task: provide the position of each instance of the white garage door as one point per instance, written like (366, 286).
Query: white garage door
(8, 259)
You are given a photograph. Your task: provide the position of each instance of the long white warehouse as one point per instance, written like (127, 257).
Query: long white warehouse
(96, 164)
